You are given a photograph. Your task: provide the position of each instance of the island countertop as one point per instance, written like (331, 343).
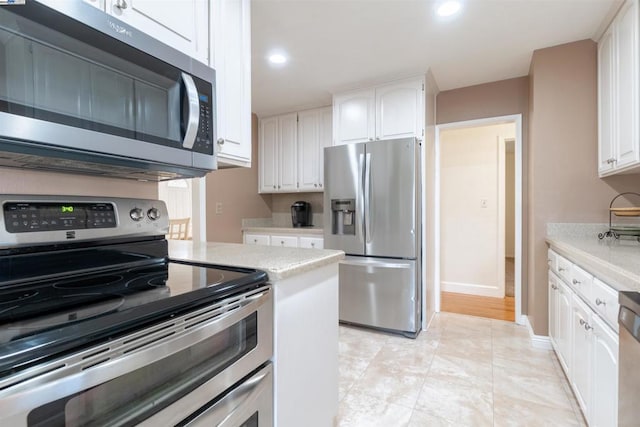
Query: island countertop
(615, 261)
(278, 262)
(285, 230)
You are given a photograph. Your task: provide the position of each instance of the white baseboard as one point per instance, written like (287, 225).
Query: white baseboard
(537, 341)
(472, 289)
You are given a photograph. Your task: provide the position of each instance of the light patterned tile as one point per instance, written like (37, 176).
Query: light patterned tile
(464, 346)
(361, 410)
(455, 403)
(466, 371)
(350, 369)
(513, 412)
(525, 368)
(363, 345)
(542, 390)
(423, 419)
(393, 385)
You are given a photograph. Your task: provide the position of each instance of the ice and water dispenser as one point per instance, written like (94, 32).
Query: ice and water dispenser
(343, 216)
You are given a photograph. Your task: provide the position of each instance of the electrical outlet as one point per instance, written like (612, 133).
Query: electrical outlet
(218, 208)
(484, 203)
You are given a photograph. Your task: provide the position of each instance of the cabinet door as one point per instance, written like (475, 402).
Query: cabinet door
(256, 239)
(604, 400)
(312, 242)
(626, 110)
(268, 155)
(581, 362)
(354, 117)
(553, 310)
(606, 102)
(563, 327)
(400, 110)
(309, 164)
(287, 153)
(285, 241)
(326, 139)
(183, 26)
(232, 41)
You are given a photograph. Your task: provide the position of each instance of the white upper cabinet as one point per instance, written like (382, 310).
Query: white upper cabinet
(182, 25)
(399, 110)
(278, 154)
(354, 117)
(394, 110)
(314, 134)
(618, 90)
(231, 31)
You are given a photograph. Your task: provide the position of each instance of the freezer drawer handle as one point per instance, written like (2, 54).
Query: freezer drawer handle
(376, 264)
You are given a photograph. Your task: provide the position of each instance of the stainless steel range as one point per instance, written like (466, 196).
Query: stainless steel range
(99, 327)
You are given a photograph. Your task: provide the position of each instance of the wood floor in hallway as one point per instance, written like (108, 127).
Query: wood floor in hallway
(491, 308)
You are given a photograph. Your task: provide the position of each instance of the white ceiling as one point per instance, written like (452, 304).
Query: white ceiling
(335, 45)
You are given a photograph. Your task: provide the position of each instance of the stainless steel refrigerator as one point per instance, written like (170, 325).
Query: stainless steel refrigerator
(373, 213)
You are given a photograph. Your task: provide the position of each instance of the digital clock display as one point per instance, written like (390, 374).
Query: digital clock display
(24, 217)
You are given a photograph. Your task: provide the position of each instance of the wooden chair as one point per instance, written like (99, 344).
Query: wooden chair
(179, 229)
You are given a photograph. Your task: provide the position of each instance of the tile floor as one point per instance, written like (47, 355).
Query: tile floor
(464, 371)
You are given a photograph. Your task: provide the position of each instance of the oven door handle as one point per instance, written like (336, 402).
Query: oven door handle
(240, 404)
(66, 376)
(193, 105)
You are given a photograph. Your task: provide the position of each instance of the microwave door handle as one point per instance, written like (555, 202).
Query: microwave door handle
(191, 128)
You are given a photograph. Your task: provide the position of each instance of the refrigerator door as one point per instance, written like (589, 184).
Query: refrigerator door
(343, 198)
(380, 293)
(391, 198)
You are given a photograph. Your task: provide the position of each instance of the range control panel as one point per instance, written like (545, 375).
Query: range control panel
(34, 220)
(26, 217)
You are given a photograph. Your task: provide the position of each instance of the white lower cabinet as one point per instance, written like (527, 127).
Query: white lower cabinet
(284, 240)
(582, 334)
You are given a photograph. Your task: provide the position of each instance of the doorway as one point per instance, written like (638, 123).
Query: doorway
(185, 199)
(479, 218)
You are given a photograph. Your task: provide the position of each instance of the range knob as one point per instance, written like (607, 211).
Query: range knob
(136, 214)
(153, 214)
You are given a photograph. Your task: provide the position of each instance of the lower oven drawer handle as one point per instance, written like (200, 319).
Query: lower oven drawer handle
(236, 406)
(28, 395)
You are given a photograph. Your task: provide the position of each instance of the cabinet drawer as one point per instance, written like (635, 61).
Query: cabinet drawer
(312, 242)
(605, 299)
(256, 239)
(285, 241)
(563, 268)
(581, 281)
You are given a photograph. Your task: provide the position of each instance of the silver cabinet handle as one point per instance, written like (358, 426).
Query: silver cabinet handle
(370, 139)
(255, 240)
(121, 4)
(587, 326)
(320, 185)
(582, 322)
(600, 302)
(315, 185)
(554, 287)
(377, 138)
(548, 261)
(282, 242)
(562, 269)
(220, 141)
(611, 160)
(313, 245)
(576, 282)
(274, 186)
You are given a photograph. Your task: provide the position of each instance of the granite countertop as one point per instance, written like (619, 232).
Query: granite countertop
(279, 263)
(615, 262)
(285, 230)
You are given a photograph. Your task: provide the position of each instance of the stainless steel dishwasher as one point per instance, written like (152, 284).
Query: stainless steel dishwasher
(629, 360)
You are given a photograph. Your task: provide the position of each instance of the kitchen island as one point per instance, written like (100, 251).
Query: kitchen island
(305, 287)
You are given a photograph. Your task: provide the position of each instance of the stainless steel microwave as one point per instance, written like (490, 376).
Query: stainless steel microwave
(82, 92)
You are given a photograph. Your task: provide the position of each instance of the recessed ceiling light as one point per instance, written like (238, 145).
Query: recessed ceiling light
(449, 8)
(277, 58)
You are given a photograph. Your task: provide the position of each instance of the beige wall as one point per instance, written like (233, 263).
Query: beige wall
(510, 203)
(237, 190)
(496, 99)
(19, 181)
(563, 181)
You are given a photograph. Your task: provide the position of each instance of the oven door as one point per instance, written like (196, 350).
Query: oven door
(129, 380)
(67, 84)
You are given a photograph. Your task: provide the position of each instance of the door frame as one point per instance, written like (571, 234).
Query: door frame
(517, 120)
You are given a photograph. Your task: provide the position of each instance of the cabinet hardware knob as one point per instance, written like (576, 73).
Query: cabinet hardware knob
(548, 261)
(255, 240)
(274, 186)
(313, 245)
(587, 326)
(278, 186)
(315, 185)
(554, 287)
(582, 322)
(121, 4)
(282, 242)
(320, 185)
(561, 269)
(377, 138)
(600, 302)
(576, 282)
(370, 139)
(220, 141)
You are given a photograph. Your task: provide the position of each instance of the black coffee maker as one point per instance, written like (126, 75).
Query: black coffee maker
(301, 214)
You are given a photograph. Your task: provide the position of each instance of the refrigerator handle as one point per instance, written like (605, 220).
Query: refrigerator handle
(361, 193)
(367, 195)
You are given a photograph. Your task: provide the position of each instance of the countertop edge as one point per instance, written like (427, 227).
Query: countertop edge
(613, 275)
(285, 230)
